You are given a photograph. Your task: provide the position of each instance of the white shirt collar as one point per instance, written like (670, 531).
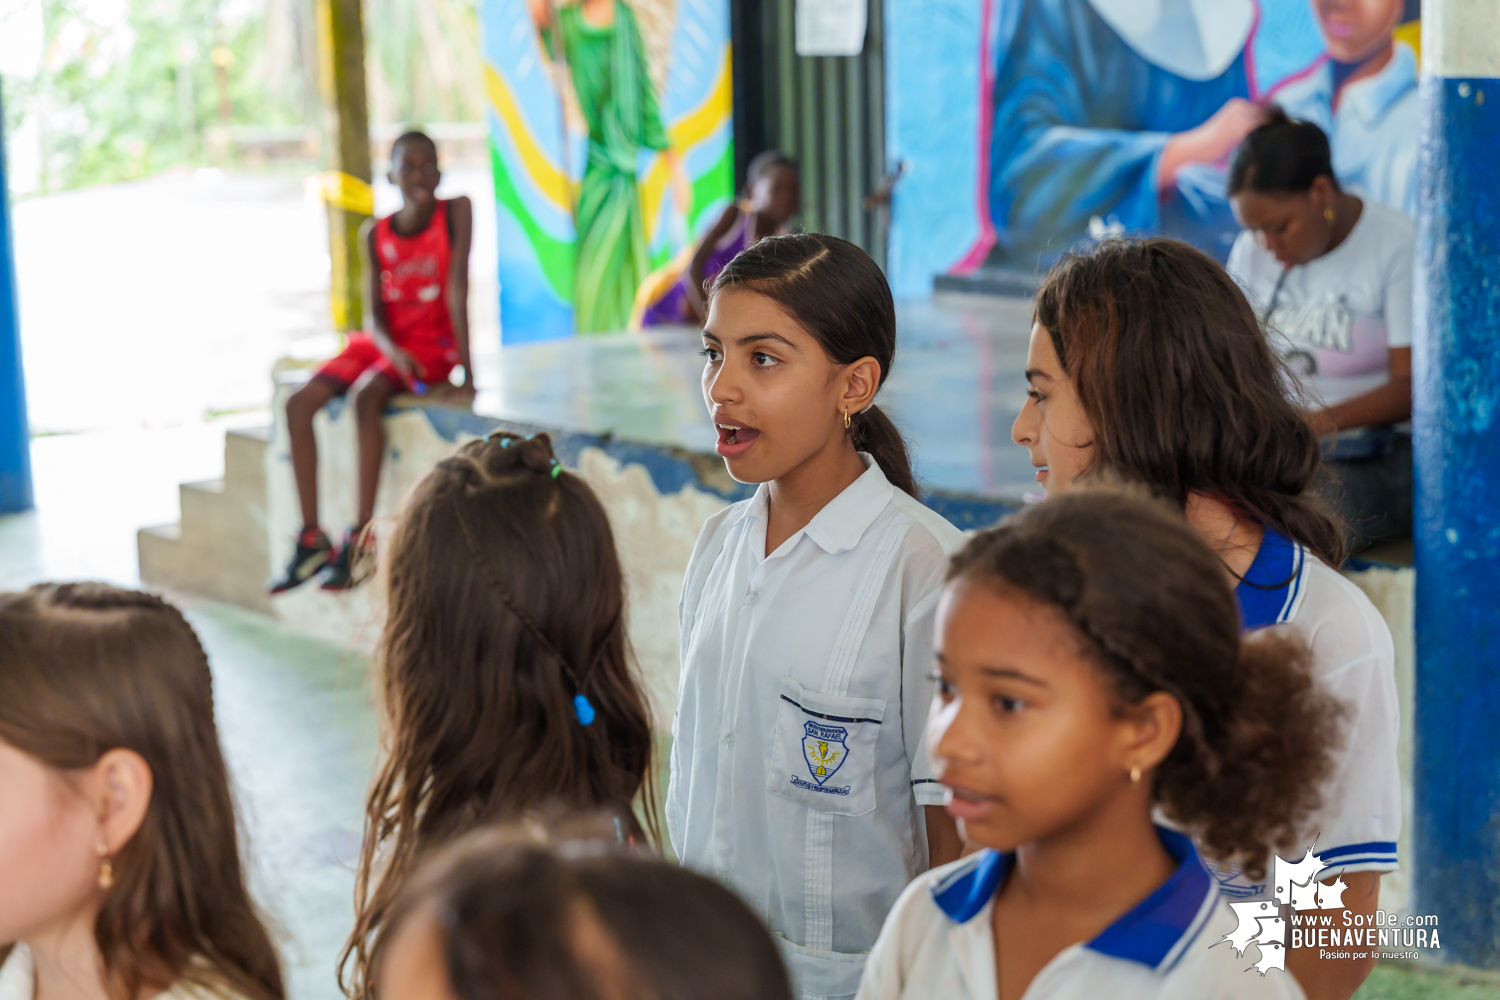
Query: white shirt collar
(1371, 98)
(842, 522)
(1154, 933)
(17, 980)
(1195, 39)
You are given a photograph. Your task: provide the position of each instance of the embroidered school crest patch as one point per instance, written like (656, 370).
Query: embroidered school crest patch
(824, 749)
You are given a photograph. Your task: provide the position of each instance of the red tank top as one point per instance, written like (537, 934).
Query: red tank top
(413, 277)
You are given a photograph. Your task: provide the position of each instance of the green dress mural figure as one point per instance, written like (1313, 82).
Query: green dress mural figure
(607, 64)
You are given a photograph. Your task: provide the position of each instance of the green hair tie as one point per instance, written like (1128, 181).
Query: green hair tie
(556, 469)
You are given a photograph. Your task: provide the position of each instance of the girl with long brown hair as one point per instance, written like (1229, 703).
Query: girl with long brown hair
(120, 870)
(798, 772)
(1147, 365)
(503, 670)
(1078, 699)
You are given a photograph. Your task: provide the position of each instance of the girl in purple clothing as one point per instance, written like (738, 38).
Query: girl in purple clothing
(773, 195)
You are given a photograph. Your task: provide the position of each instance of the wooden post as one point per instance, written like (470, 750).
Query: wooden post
(346, 184)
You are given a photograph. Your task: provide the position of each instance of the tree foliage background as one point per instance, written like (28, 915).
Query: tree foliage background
(97, 91)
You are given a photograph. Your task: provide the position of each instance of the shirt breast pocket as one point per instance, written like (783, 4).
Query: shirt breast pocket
(823, 750)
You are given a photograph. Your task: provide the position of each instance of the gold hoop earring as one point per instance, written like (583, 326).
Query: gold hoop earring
(1135, 775)
(846, 418)
(106, 870)
(1329, 215)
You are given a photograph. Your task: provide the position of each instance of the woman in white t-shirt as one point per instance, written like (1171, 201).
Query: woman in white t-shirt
(1330, 276)
(1147, 365)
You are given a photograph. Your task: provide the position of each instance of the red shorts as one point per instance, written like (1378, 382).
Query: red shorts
(434, 362)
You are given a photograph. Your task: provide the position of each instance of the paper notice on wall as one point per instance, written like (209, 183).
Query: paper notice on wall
(831, 27)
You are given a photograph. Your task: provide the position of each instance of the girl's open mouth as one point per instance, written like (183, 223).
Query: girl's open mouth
(966, 805)
(734, 441)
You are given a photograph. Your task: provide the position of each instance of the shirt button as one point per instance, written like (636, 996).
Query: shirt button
(729, 739)
(751, 597)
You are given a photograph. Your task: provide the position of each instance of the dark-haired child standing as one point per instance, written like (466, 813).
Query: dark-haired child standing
(418, 305)
(503, 671)
(1076, 696)
(798, 773)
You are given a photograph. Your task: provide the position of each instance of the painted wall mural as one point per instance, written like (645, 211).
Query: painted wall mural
(1088, 117)
(610, 140)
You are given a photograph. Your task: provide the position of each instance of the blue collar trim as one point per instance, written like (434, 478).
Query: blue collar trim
(1271, 586)
(1155, 933)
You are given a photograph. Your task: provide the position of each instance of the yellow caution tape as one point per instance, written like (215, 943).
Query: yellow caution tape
(346, 191)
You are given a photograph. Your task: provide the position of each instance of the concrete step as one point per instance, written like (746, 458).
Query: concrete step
(203, 507)
(245, 461)
(205, 567)
(218, 548)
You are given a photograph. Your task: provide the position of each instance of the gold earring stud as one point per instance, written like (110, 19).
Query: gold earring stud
(1135, 775)
(846, 418)
(1328, 214)
(106, 870)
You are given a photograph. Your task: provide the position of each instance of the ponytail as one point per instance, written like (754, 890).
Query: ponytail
(1243, 786)
(873, 432)
(1257, 735)
(838, 294)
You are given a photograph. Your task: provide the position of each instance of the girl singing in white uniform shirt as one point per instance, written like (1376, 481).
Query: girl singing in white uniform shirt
(798, 774)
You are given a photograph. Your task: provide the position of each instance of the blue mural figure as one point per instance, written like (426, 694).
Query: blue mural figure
(1115, 115)
(1364, 96)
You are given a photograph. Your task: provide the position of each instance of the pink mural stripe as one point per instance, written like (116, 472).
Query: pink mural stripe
(976, 254)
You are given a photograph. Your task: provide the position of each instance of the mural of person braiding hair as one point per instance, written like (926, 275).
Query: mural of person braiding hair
(600, 44)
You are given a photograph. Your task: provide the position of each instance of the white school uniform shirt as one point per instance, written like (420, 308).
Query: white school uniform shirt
(18, 981)
(1373, 134)
(939, 941)
(798, 763)
(1335, 318)
(1354, 660)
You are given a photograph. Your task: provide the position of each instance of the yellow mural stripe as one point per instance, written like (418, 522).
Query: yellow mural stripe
(689, 130)
(1411, 34)
(545, 174)
(346, 191)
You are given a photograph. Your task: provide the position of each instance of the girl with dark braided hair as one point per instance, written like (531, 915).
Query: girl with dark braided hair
(1078, 699)
(503, 671)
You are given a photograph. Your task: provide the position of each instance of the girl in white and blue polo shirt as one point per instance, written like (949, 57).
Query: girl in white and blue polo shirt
(798, 770)
(1076, 698)
(1148, 365)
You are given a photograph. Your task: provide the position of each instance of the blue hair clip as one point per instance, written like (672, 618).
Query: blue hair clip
(583, 709)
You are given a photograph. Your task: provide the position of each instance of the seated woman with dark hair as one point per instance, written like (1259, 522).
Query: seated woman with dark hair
(1330, 276)
(673, 294)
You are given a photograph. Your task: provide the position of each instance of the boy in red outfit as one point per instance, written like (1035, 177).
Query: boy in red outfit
(418, 263)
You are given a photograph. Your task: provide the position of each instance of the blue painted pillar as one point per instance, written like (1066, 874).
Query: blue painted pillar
(1456, 417)
(15, 438)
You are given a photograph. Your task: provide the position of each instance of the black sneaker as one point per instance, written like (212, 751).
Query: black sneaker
(355, 562)
(314, 551)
